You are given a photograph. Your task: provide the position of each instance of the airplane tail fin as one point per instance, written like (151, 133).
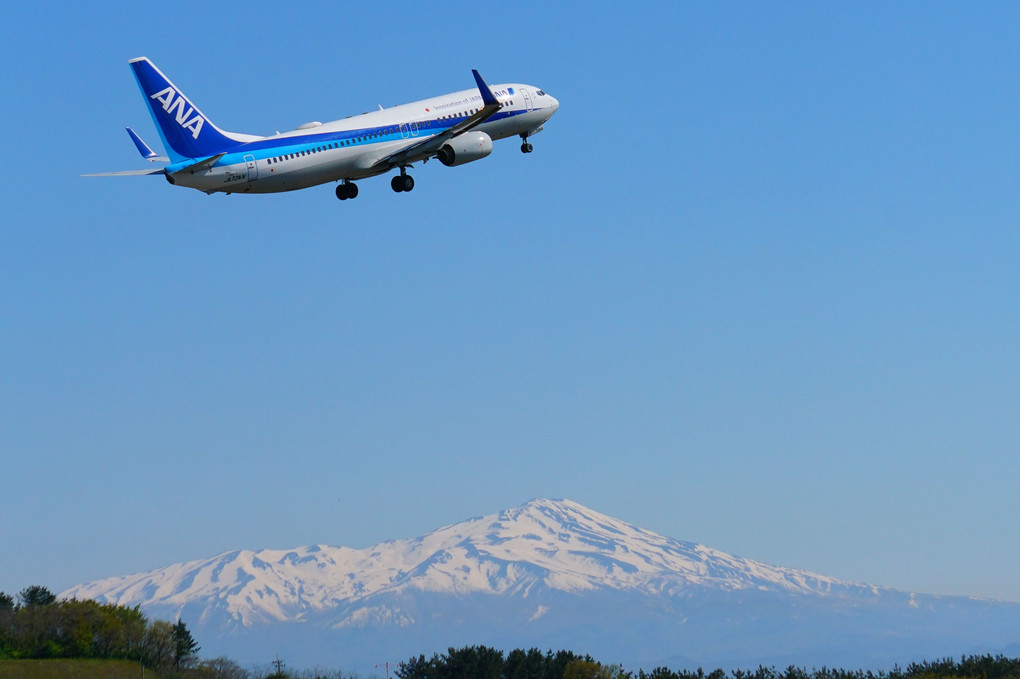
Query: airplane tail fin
(186, 132)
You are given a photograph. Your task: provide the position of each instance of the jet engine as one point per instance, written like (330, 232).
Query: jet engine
(465, 148)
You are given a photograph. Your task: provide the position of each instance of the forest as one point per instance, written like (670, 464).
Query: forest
(36, 626)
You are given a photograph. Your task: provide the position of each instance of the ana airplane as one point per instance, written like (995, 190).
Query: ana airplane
(456, 128)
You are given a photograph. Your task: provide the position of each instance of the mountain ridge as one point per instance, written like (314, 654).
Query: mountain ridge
(545, 570)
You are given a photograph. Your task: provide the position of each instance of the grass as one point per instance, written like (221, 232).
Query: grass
(73, 669)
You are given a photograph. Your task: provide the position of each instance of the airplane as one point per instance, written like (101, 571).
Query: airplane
(455, 128)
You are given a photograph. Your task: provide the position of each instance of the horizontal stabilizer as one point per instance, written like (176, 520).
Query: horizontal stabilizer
(144, 149)
(125, 173)
(201, 165)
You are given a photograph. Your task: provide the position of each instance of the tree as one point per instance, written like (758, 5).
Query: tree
(159, 645)
(418, 668)
(521, 664)
(6, 624)
(36, 595)
(556, 664)
(586, 669)
(185, 646)
(472, 662)
(222, 668)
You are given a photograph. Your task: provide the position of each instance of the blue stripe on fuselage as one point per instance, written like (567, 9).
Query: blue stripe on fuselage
(273, 147)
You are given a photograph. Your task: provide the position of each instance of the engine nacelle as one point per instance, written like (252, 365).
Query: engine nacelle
(465, 148)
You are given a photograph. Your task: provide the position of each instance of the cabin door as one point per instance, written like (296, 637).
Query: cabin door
(253, 168)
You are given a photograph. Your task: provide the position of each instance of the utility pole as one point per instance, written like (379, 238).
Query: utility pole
(387, 665)
(279, 665)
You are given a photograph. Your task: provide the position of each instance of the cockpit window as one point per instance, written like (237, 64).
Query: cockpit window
(541, 93)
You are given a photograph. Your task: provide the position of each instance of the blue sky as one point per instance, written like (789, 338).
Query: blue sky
(757, 287)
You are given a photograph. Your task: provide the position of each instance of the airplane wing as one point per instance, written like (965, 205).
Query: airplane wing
(426, 148)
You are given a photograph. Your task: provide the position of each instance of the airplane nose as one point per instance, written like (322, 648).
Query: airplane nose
(555, 103)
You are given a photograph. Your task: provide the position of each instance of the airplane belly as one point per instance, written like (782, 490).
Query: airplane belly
(278, 178)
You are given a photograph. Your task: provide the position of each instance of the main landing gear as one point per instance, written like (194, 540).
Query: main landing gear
(346, 190)
(402, 182)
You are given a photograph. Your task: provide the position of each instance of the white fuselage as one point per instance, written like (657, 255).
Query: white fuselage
(351, 148)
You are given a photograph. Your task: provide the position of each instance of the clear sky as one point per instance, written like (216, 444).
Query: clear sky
(757, 287)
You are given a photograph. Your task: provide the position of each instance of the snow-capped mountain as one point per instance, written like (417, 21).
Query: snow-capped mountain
(549, 574)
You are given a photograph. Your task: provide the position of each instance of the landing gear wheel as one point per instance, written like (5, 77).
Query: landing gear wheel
(346, 190)
(402, 182)
(527, 148)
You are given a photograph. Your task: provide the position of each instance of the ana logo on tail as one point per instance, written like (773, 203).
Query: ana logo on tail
(174, 104)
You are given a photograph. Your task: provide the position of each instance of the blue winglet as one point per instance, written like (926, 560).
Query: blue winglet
(143, 148)
(487, 97)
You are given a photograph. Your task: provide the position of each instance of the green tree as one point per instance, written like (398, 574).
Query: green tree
(418, 668)
(520, 664)
(185, 646)
(473, 662)
(588, 669)
(36, 595)
(221, 668)
(158, 646)
(556, 664)
(6, 624)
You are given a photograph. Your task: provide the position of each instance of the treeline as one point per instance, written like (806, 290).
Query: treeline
(968, 667)
(37, 626)
(482, 662)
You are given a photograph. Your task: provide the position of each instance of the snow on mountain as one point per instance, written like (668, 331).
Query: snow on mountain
(543, 544)
(550, 573)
